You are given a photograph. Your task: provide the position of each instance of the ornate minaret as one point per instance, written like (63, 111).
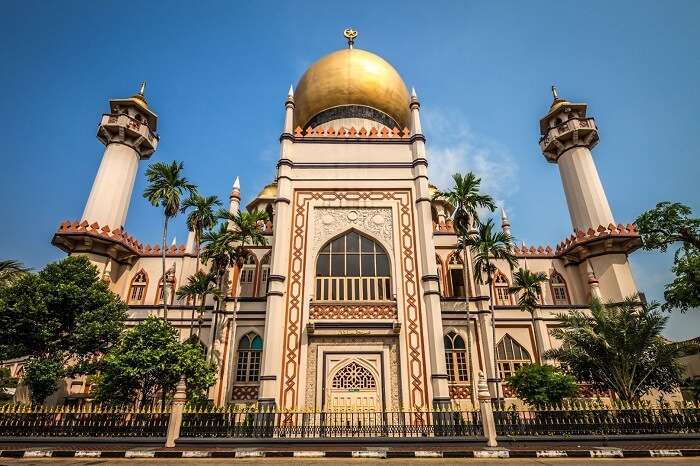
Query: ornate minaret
(597, 246)
(568, 136)
(129, 135)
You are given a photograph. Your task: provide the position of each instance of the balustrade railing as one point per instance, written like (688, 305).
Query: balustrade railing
(353, 288)
(226, 423)
(598, 421)
(84, 421)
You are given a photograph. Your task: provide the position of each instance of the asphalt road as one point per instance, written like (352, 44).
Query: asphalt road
(356, 462)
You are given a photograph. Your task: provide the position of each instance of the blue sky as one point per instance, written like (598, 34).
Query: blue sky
(218, 73)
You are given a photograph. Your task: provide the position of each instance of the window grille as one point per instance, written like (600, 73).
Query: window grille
(510, 356)
(353, 268)
(249, 357)
(354, 377)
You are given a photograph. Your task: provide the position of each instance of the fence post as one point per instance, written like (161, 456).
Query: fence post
(487, 419)
(176, 409)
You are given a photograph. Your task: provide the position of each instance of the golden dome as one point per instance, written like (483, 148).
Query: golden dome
(351, 77)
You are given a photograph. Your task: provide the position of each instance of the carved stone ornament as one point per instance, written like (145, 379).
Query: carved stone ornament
(375, 222)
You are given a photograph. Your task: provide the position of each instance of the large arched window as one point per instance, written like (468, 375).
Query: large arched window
(264, 275)
(455, 269)
(510, 356)
(456, 358)
(247, 275)
(500, 289)
(249, 357)
(560, 295)
(353, 268)
(139, 285)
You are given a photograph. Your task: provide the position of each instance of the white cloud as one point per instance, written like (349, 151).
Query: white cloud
(454, 147)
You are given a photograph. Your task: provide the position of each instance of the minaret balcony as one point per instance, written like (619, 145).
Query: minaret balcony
(572, 132)
(129, 131)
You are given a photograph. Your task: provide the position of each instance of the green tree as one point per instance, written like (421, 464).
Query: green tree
(201, 216)
(619, 347)
(466, 198)
(62, 316)
(10, 270)
(541, 385)
(667, 224)
(148, 361)
(7, 385)
(166, 186)
(486, 246)
(42, 375)
(528, 288)
(199, 286)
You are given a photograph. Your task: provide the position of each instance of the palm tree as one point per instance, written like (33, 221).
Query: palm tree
(227, 247)
(10, 270)
(201, 217)
(529, 285)
(620, 347)
(466, 198)
(200, 285)
(166, 186)
(486, 246)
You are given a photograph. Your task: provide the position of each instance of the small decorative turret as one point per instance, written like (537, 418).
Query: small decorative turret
(505, 223)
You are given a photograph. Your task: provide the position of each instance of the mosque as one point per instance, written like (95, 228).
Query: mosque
(358, 299)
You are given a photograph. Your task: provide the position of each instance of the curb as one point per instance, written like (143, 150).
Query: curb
(376, 454)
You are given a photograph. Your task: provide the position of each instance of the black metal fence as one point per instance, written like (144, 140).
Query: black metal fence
(25, 421)
(598, 421)
(225, 423)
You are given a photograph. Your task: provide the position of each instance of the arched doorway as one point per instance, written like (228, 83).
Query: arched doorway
(353, 387)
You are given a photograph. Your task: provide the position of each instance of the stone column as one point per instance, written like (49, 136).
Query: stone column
(271, 367)
(487, 419)
(429, 278)
(176, 411)
(541, 335)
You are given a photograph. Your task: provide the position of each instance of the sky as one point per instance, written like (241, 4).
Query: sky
(218, 74)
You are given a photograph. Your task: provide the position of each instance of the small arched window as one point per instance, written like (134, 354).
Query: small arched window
(455, 269)
(560, 294)
(456, 358)
(247, 275)
(159, 292)
(510, 356)
(500, 289)
(353, 267)
(139, 285)
(264, 275)
(249, 357)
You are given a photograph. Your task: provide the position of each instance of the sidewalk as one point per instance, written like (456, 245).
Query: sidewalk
(416, 449)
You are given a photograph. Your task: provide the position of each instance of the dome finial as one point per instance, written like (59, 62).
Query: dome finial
(555, 94)
(142, 88)
(350, 35)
